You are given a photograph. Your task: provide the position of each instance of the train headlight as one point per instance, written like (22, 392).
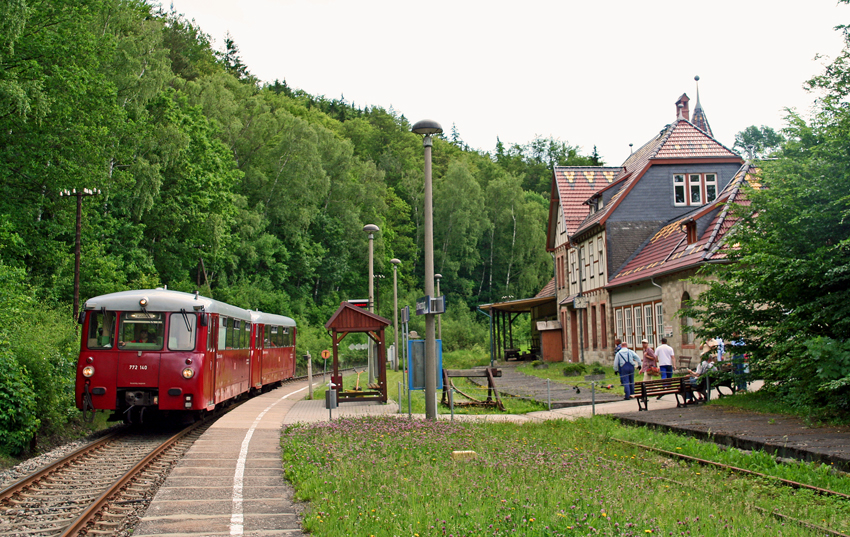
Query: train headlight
(188, 373)
(88, 371)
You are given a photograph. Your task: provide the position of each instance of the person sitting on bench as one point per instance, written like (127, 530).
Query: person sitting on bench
(704, 367)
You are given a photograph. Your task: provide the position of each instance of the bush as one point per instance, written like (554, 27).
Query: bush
(597, 369)
(18, 421)
(574, 369)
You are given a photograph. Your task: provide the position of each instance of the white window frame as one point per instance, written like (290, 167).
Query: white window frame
(601, 251)
(647, 317)
(638, 316)
(679, 184)
(629, 332)
(694, 186)
(710, 180)
(619, 315)
(659, 320)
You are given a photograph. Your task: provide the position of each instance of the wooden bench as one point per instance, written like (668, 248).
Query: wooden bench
(653, 388)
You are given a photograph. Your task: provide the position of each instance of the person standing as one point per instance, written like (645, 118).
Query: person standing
(649, 359)
(666, 359)
(624, 364)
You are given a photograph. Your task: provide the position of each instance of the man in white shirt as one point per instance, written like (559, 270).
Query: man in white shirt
(666, 360)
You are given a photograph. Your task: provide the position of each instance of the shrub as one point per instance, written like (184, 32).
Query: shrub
(597, 369)
(574, 369)
(18, 421)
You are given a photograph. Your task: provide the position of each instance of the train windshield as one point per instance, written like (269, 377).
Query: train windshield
(141, 331)
(181, 332)
(101, 334)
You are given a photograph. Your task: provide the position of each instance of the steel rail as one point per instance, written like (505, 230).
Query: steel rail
(787, 482)
(92, 510)
(27, 481)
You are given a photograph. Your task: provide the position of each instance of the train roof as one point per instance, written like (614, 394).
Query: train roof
(164, 300)
(271, 319)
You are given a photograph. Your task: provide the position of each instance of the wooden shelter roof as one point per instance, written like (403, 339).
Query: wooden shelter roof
(351, 318)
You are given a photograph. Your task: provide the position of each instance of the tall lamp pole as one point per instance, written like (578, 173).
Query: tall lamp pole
(429, 127)
(395, 263)
(371, 229)
(439, 277)
(79, 195)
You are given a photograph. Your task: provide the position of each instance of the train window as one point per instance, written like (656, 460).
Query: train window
(101, 333)
(272, 336)
(246, 341)
(222, 333)
(181, 332)
(258, 338)
(141, 331)
(287, 340)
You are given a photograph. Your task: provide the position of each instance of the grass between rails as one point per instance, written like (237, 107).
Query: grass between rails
(809, 473)
(393, 476)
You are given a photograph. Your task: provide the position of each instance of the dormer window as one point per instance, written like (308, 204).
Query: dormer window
(691, 231)
(694, 189)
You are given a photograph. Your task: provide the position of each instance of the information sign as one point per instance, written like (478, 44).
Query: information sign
(423, 305)
(326, 354)
(405, 314)
(580, 302)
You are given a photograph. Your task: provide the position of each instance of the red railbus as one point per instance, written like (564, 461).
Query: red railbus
(151, 351)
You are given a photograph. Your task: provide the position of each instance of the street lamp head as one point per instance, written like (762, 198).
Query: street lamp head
(395, 261)
(438, 276)
(427, 126)
(371, 228)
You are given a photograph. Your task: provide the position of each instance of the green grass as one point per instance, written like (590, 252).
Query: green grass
(768, 403)
(393, 476)
(809, 473)
(555, 373)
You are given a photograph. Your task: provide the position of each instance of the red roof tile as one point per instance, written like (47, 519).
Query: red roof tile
(575, 185)
(687, 141)
(548, 289)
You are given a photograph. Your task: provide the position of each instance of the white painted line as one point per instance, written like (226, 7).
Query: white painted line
(237, 520)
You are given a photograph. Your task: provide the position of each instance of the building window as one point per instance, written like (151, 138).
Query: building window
(698, 189)
(647, 317)
(591, 266)
(581, 264)
(599, 249)
(659, 319)
(572, 266)
(629, 339)
(679, 190)
(695, 189)
(638, 324)
(620, 334)
(710, 187)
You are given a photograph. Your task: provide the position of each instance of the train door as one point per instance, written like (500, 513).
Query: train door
(257, 357)
(209, 362)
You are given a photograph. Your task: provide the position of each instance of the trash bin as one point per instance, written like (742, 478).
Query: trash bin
(330, 399)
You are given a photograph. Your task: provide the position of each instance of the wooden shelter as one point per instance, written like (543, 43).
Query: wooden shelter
(350, 318)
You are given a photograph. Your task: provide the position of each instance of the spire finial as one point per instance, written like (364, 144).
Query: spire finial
(696, 79)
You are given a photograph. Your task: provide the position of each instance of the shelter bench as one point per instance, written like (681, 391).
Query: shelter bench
(652, 388)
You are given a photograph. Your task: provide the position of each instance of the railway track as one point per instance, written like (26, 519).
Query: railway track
(99, 488)
(91, 488)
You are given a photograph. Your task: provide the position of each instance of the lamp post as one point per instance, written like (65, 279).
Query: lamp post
(371, 229)
(395, 263)
(79, 195)
(439, 277)
(429, 127)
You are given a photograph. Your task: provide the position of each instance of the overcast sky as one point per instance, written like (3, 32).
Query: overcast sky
(604, 73)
